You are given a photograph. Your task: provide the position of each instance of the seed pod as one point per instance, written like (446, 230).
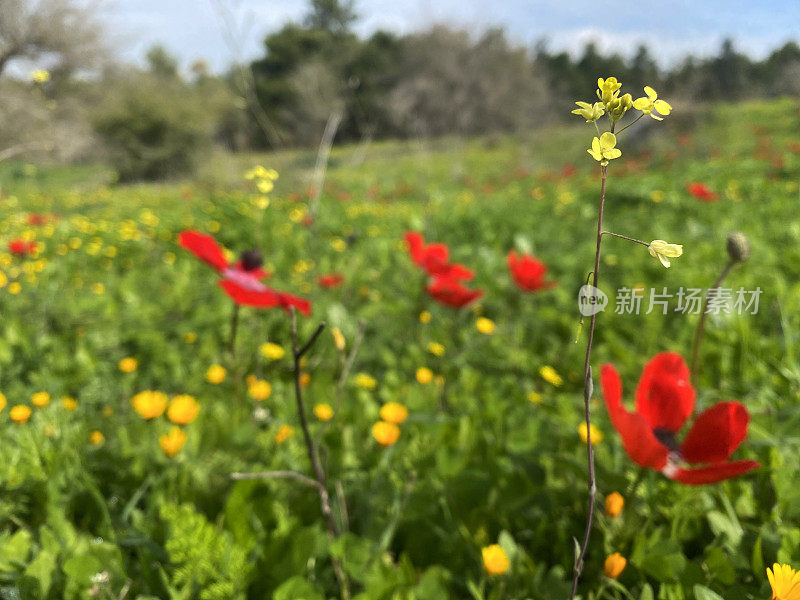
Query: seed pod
(738, 246)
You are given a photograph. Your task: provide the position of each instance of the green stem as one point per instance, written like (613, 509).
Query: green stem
(701, 324)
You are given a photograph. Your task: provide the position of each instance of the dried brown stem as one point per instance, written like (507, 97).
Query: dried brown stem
(313, 454)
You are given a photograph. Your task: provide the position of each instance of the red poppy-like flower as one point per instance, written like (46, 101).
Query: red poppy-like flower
(242, 280)
(330, 280)
(568, 171)
(528, 273)
(38, 219)
(701, 191)
(451, 292)
(21, 247)
(664, 401)
(433, 258)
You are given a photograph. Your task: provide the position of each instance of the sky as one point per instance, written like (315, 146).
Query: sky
(223, 31)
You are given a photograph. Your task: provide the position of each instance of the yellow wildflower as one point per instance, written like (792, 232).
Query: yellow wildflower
(183, 409)
(149, 404)
(785, 582)
(338, 339)
(495, 560)
(614, 565)
(663, 251)
(324, 412)
(40, 399)
(424, 375)
(436, 349)
(366, 382)
(597, 435)
(485, 326)
(535, 397)
(128, 365)
(385, 433)
(172, 442)
(394, 412)
(650, 103)
(590, 112)
(305, 379)
(607, 89)
(284, 433)
(20, 413)
(614, 502)
(216, 374)
(190, 337)
(96, 438)
(603, 149)
(259, 390)
(425, 317)
(69, 403)
(40, 76)
(2, 401)
(550, 375)
(14, 288)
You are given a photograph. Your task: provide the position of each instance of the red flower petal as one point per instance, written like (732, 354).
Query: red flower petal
(451, 293)
(301, 304)
(665, 397)
(258, 273)
(637, 436)
(261, 298)
(528, 272)
(204, 247)
(713, 473)
(716, 433)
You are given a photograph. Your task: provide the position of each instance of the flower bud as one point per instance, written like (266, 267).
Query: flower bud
(251, 260)
(738, 246)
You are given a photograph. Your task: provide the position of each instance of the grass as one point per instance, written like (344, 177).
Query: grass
(477, 462)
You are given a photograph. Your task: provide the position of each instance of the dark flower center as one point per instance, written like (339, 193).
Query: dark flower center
(666, 437)
(251, 260)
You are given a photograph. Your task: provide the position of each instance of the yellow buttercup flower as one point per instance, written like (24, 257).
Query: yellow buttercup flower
(96, 438)
(69, 403)
(436, 349)
(550, 375)
(424, 375)
(259, 390)
(366, 382)
(305, 379)
(385, 433)
(2, 401)
(172, 442)
(40, 399)
(603, 148)
(650, 103)
(495, 560)
(190, 337)
(183, 409)
(590, 112)
(284, 433)
(150, 404)
(216, 374)
(272, 351)
(614, 565)
(128, 365)
(663, 251)
(535, 397)
(20, 413)
(324, 412)
(785, 582)
(394, 412)
(485, 326)
(614, 503)
(597, 435)
(425, 317)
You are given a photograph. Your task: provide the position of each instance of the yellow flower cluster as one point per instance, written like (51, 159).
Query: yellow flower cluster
(387, 431)
(615, 106)
(181, 410)
(264, 180)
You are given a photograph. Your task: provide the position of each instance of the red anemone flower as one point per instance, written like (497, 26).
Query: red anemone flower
(21, 247)
(242, 280)
(451, 292)
(701, 191)
(528, 273)
(37, 219)
(330, 280)
(664, 401)
(433, 258)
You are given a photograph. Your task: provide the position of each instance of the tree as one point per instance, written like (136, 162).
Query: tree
(64, 31)
(331, 15)
(162, 63)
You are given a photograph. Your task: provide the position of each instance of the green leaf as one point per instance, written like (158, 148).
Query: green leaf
(297, 588)
(703, 593)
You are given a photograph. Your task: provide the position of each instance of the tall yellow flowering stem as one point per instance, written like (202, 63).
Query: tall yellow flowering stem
(588, 388)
